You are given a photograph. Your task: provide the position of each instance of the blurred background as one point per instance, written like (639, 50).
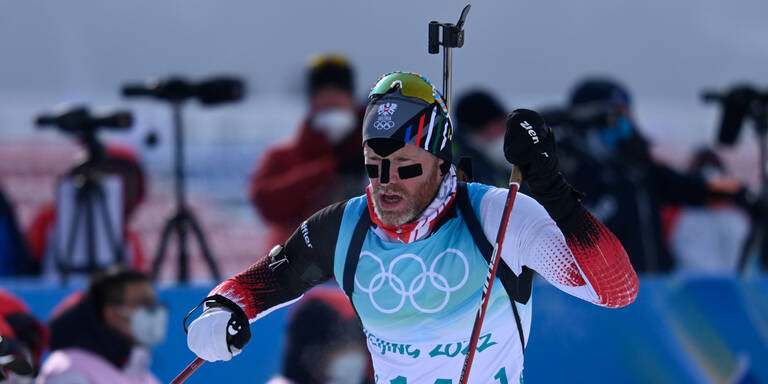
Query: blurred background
(244, 78)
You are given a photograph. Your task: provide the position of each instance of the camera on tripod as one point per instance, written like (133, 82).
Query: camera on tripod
(89, 204)
(740, 103)
(79, 122)
(176, 90)
(215, 90)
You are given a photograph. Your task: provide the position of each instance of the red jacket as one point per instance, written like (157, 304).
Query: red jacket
(293, 180)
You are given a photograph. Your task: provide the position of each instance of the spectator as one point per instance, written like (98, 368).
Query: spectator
(106, 337)
(324, 343)
(121, 161)
(480, 127)
(25, 339)
(707, 240)
(323, 163)
(15, 366)
(608, 159)
(14, 256)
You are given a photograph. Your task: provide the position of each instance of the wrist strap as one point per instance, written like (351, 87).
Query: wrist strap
(238, 330)
(221, 301)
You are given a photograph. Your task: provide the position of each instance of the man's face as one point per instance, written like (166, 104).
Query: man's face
(398, 201)
(135, 295)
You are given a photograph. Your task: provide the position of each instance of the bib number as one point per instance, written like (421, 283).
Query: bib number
(501, 376)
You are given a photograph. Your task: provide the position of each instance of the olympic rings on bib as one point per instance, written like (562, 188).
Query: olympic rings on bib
(416, 285)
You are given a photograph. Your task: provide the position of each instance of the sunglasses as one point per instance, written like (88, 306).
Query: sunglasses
(410, 85)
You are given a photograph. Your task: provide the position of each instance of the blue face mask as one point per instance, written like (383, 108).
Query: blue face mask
(611, 136)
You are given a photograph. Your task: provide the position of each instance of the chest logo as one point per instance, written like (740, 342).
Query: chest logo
(427, 279)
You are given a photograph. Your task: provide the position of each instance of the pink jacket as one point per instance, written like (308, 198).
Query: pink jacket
(78, 366)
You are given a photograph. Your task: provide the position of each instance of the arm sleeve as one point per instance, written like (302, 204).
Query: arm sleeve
(577, 254)
(280, 279)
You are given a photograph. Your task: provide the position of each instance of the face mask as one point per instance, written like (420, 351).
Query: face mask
(612, 136)
(492, 149)
(347, 368)
(596, 145)
(335, 123)
(708, 172)
(149, 324)
(495, 152)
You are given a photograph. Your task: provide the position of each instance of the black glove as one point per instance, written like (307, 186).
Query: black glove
(530, 144)
(528, 138)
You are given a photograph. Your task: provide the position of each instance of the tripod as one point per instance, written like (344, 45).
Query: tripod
(89, 205)
(182, 219)
(756, 246)
(738, 104)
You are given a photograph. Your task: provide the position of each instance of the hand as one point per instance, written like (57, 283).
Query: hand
(530, 144)
(528, 138)
(209, 334)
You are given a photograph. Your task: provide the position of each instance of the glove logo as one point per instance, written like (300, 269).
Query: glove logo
(384, 120)
(426, 280)
(231, 330)
(531, 131)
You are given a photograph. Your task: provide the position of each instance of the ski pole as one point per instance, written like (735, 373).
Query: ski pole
(188, 371)
(514, 184)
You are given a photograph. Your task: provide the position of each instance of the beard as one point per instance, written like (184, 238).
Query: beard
(414, 203)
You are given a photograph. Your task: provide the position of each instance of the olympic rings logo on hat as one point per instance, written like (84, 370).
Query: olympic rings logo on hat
(416, 285)
(384, 124)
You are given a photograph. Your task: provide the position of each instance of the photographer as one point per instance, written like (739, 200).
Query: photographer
(607, 158)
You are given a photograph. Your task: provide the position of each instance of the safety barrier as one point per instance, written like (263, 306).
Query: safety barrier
(679, 330)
